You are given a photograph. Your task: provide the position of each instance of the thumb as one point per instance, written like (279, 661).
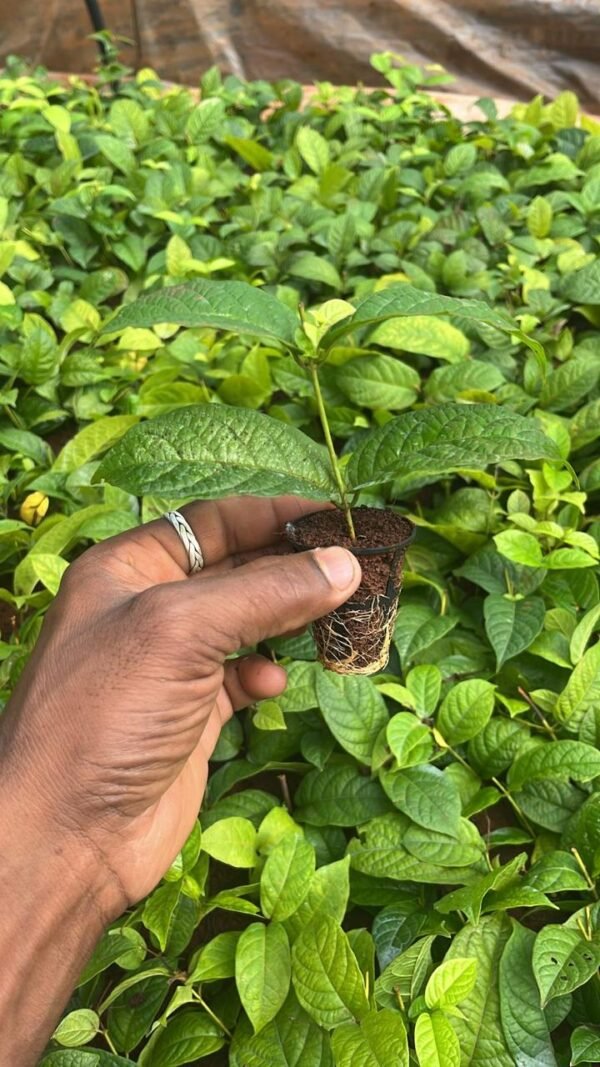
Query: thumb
(271, 596)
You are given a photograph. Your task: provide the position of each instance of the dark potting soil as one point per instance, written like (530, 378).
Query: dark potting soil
(375, 528)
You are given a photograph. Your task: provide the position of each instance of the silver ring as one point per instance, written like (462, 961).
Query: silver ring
(188, 539)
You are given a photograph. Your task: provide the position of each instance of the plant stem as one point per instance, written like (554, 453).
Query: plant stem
(335, 467)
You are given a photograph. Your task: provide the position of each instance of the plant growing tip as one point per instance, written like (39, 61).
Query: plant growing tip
(220, 450)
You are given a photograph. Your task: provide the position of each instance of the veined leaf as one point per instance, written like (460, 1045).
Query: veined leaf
(559, 759)
(511, 625)
(377, 1041)
(436, 1043)
(563, 959)
(326, 975)
(212, 450)
(286, 877)
(523, 1021)
(231, 306)
(479, 1028)
(446, 438)
(354, 711)
(262, 971)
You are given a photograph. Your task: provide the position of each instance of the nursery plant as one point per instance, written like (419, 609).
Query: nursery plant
(386, 870)
(214, 449)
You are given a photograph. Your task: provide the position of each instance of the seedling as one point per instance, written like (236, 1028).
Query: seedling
(213, 449)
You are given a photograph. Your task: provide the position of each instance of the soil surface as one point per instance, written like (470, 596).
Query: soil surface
(375, 528)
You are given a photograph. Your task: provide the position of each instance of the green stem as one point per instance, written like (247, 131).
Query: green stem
(335, 467)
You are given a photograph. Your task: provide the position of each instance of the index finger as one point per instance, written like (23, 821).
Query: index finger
(154, 553)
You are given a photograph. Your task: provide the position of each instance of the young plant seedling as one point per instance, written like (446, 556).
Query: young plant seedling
(213, 450)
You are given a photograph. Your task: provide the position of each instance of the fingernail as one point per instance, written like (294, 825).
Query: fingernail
(339, 566)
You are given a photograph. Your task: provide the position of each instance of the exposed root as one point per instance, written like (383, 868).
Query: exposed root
(356, 638)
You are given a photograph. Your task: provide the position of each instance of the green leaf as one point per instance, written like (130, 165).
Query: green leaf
(478, 1028)
(216, 959)
(582, 633)
(339, 795)
(379, 382)
(92, 440)
(583, 286)
(539, 217)
(377, 1041)
(205, 120)
(460, 158)
(436, 1043)
(77, 1028)
(582, 689)
(89, 1058)
(425, 684)
(523, 1021)
(460, 846)
(424, 335)
(428, 796)
(465, 710)
(409, 740)
(313, 148)
(231, 841)
(315, 269)
(558, 759)
(563, 960)
(211, 450)
(380, 853)
(519, 547)
(585, 1045)
(354, 711)
(159, 911)
(556, 872)
(446, 438)
(511, 625)
(262, 971)
(326, 975)
(327, 895)
(286, 877)
(233, 306)
(189, 1035)
(404, 300)
(292, 1039)
(450, 983)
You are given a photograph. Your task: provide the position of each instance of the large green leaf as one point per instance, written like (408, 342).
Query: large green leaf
(286, 877)
(582, 689)
(292, 1039)
(436, 1043)
(465, 710)
(523, 1021)
(354, 711)
(449, 437)
(233, 306)
(428, 335)
(188, 1036)
(558, 759)
(378, 1040)
(511, 625)
(262, 971)
(399, 301)
(379, 382)
(340, 795)
(380, 853)
(478, 1028)
(427, 795)
(563, 959)
(212, 450)
(326, 975)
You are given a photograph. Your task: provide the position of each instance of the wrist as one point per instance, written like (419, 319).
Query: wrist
(38, 848)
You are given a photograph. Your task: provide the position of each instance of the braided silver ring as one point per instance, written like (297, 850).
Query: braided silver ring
(188, 539)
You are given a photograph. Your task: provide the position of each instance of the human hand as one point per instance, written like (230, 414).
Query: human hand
(110, 729)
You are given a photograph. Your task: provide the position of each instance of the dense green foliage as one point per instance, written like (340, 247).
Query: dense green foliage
(445, 811)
